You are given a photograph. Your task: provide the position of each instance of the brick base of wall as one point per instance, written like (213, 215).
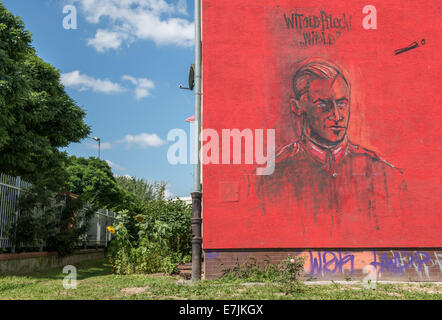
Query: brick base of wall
(419, 264)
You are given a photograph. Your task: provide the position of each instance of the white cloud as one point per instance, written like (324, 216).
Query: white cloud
(115, 166)
(130, 20)
(144, 140)
(142, 86)
(105, 40)
(84, 82)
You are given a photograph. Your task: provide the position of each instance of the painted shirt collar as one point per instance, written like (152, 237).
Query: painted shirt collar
(323, 154)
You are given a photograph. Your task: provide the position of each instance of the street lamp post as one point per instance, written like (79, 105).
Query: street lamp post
(99, 142)
(197, 192)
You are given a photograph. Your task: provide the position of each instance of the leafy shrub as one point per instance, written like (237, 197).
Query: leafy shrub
(55, 220)
(251, 271)
(50, 215)
(72, 226)
(291, 268)
(287, 273)
(156, 240)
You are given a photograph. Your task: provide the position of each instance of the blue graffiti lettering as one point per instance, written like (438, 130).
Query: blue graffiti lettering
(400, 261)
(330, 262)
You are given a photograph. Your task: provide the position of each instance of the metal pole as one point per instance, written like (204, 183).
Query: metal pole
(16, 213)
(197, 194)
(196, 236)
(99, 144)
(98, 238)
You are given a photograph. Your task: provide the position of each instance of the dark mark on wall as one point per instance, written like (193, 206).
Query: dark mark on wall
(414, 45)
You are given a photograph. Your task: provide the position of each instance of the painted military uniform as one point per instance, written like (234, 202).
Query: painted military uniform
(347, 191)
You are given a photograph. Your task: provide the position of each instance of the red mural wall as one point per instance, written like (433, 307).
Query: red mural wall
(356, 123)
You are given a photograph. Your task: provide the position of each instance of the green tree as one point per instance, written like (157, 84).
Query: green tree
(93, 181)
(37, 117)
(61, 219)
(143, 190)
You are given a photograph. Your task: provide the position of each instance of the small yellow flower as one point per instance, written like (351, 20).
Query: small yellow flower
(111, 230)
(139, 218)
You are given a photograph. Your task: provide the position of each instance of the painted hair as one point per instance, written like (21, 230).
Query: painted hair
(315, 69)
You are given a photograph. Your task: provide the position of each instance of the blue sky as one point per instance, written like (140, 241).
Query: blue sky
(123, 65)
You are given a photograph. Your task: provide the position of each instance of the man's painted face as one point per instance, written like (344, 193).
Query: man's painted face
(327, 110)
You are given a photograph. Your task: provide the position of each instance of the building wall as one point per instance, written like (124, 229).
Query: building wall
(336, 264)
(382, 191)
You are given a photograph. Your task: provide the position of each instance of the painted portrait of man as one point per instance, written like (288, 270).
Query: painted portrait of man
(323, 178)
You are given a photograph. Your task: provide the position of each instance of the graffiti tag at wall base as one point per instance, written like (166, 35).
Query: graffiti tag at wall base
(394, 262)
(330, 262)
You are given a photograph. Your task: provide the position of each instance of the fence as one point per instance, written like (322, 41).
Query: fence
(98, 235)
(10, 189)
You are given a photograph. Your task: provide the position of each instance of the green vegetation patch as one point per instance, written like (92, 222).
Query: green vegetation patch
(95, 281)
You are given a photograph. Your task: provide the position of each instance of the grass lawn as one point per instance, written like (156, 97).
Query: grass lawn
(95, 281)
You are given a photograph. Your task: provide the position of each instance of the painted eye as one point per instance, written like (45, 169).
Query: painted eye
(322, 105)
(342, 103)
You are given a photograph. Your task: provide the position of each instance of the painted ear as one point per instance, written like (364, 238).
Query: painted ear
(295, 105)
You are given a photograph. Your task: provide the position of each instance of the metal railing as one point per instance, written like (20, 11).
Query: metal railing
(10, 189)
(98, 235)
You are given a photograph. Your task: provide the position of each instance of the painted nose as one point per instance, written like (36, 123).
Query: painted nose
(336, 115)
